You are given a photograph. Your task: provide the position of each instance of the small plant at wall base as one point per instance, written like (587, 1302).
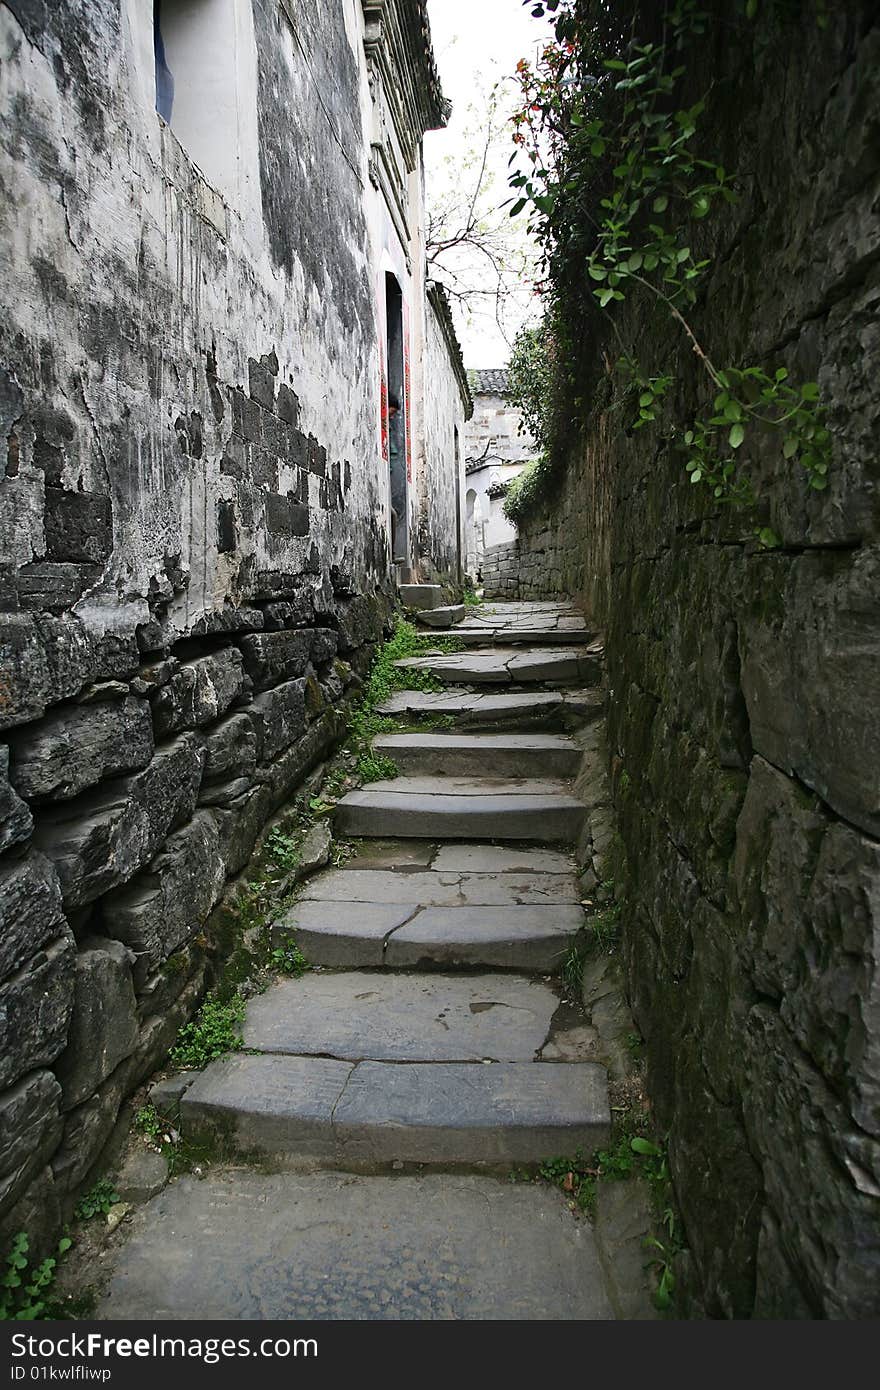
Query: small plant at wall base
(288, 959)
(617, 188)
(23, 1294)
(213, 1033)
(97, 1201)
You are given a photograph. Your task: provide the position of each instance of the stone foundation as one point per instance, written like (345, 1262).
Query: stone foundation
(126, 805)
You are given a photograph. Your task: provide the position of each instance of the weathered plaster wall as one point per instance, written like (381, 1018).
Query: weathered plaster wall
(193, 524)
(743, 695)
(440, 471)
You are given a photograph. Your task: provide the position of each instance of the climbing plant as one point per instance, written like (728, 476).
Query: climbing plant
(613, 167)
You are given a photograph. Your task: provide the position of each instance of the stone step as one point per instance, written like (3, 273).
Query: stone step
(422, 808)
(298, 1247)
(440, 888)
(359, 1015)
(368, 1115)
(563, 709)
(421, 596)
(485, 635)
(409, 936)
(509, 666)
(442, 617)
(504, 755)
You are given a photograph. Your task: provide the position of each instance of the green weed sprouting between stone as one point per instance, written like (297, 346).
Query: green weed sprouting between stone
(470, 598)
(288, 959)
(376, 767)
(213, 1033)
(24, 1295)
(384, 679)
(97, 1201)
(148, 1123)
(629, 1156)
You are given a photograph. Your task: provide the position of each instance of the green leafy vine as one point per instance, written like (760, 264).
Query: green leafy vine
(610, 168)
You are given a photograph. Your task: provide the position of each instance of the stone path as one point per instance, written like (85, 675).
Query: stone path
(434, 1037)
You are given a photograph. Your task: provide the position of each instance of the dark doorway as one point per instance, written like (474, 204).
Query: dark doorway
(397, 405)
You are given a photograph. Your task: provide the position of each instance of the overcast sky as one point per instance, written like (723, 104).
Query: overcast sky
(476, 42)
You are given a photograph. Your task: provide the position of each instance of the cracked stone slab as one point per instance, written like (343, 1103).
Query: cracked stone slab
(440, 889)
(272, 1104)
(403, 1018)
(252, 1246)
(460, 1112)
(343, 934)
(392, 809)
(320, 1110)
(521, 938)
(500, 666)
(517, 709)
(505, 755)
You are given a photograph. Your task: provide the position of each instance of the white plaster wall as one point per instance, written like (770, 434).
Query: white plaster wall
(129, 224)
(442, 541)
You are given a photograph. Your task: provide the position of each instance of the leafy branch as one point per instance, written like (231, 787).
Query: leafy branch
(612, 173)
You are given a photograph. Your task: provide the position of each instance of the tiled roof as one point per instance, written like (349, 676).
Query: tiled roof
(487, 381)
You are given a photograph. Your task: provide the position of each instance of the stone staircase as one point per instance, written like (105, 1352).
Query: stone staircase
(424, 1063)
(393, 1089)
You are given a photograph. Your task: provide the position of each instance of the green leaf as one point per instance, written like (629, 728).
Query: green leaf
(810, 391)
(635, 262)
(597, 272)
(597, 149)
(790, 447)
(696, 475)
(660, 204)
(517, 207)
(604, 296)
(736, 436)
(644, 1146)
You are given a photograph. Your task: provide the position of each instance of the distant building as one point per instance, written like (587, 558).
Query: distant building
(496, 451)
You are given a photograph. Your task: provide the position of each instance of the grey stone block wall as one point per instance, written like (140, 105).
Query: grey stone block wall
(744, 686)
(124, 808)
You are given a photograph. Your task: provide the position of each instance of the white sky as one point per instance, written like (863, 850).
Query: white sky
(476, 42)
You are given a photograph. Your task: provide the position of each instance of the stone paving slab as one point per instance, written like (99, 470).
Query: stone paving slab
(327, 1246)
(392, 854)
(403, 1018)
(344, 934)
(431, 888)
(522, 636)
(390, 809)
(515, 938)
(459, 1112)
(501, 755)
(497, 859)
